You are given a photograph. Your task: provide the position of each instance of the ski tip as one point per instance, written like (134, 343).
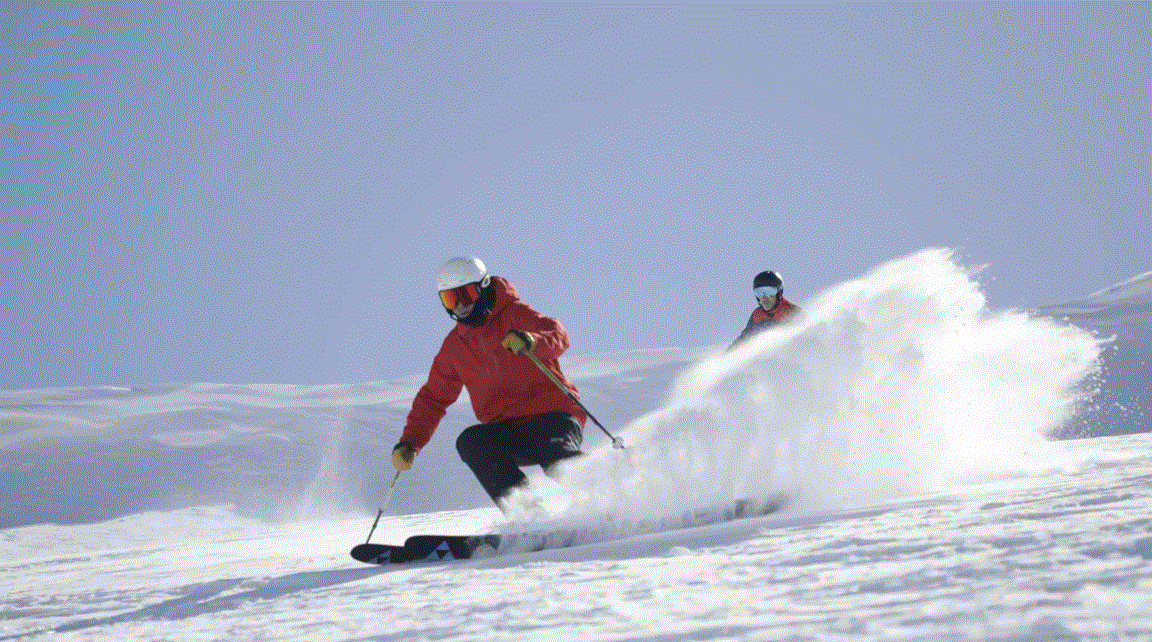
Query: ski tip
(360, 553)
(376, 553)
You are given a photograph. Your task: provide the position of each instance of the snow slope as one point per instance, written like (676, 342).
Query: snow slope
(1122, 314)
(906, 420)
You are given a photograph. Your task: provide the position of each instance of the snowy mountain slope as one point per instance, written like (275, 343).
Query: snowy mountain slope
(274, 451)
(1058, 555)
(927, 503)
(1122, 314)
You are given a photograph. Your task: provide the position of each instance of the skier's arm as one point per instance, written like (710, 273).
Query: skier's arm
(749, 329)
(550, 339)
(431, 402)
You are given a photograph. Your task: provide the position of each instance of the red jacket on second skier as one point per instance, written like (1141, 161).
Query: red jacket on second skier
(771, 306)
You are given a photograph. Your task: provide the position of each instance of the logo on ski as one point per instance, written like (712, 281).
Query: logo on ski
(442, 552)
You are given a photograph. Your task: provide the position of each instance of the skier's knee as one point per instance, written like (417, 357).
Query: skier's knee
(555, 469)
(469, 443)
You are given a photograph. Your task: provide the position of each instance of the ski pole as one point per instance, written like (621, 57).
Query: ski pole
(382, 507)
(616, 443)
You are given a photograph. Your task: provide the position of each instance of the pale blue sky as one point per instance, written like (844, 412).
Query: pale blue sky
(264, 192)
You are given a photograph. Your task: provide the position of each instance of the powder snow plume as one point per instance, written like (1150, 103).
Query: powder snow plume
(885, 386)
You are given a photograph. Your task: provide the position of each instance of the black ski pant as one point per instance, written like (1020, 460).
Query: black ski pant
(496, 451)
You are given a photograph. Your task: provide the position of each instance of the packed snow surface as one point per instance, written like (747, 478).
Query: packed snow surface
(909, 425)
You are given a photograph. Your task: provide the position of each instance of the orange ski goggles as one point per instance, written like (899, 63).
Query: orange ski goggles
(464, 295)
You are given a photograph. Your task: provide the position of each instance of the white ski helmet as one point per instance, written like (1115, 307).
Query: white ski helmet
(462, 270)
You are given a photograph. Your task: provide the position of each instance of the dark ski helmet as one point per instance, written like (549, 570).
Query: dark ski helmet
(768, 278)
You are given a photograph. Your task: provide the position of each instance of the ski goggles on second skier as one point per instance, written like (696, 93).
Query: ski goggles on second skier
(766, 291)
(464, 295)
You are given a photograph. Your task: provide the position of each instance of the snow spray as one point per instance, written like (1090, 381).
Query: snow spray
(882, 387)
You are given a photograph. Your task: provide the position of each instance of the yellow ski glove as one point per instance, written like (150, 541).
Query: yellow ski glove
(518, 341)
(403, 455)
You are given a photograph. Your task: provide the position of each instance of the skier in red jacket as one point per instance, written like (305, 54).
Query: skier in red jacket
(526, 419)
(772, 308)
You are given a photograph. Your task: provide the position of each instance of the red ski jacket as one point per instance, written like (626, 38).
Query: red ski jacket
(761, 320)
(502, 385)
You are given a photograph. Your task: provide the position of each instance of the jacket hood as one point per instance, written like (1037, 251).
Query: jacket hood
(504, 293)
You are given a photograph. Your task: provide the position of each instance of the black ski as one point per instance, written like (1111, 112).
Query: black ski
(379, 554)
(425, 548)
(440, 548)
